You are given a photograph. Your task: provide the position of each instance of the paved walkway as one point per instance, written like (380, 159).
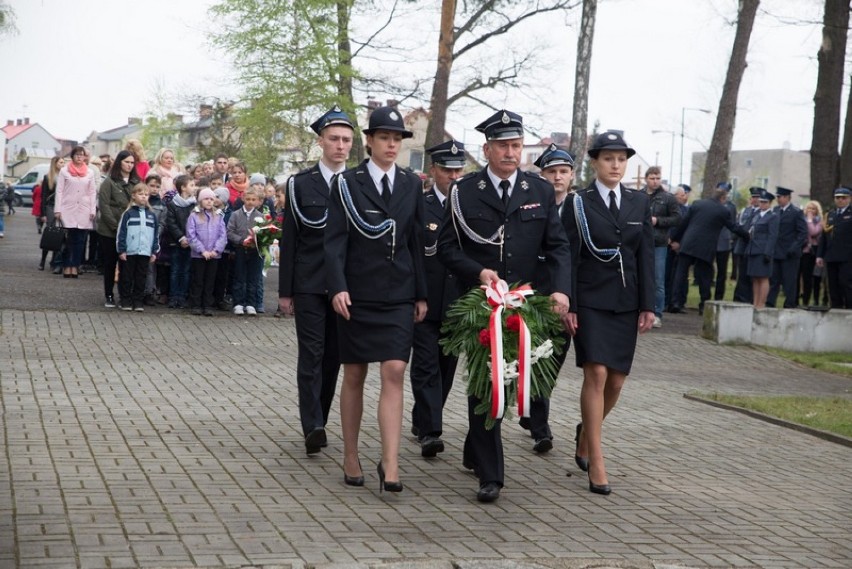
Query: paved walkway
(165, 440)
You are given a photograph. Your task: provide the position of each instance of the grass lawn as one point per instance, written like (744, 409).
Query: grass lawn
(832, 414)
(832, 362)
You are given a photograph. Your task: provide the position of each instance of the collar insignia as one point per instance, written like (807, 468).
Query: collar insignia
(524, 185)
(432, 226)
(481, 184)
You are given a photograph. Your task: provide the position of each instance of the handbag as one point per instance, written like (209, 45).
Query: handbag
(52, 237)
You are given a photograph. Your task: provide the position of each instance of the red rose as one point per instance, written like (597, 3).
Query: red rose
(513, 323)
(267, 217)
(485, 337)
(274, 229)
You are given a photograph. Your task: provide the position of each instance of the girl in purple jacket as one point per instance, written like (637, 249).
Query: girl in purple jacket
(205, 231)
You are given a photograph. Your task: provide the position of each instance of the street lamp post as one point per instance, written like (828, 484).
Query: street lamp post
(671, 159)
(682, 121)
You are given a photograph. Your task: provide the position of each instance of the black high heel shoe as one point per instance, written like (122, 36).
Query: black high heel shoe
(354, 480)
(389, 486)
(599, 488)
(582, 463)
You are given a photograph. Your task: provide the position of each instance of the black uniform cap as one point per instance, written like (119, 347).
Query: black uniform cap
(449, 154)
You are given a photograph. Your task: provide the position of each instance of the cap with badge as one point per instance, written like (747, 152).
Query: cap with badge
(449, 154)
(783, 191)
(686, 188)
(724, 186)
(841, 191)
(755, 191)
(502, 125)
(554, 156)
(610, 140)
(387, 118)
(766, 196)
(334, 116)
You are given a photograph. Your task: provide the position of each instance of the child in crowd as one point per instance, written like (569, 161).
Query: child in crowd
(248, 264)
(178, 211)
(137, 247)
(215, 183)
(205, 230)
(258, 181)
(222, 287)
(159, 208)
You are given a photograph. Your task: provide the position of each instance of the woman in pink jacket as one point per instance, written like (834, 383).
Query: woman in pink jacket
(76, 199)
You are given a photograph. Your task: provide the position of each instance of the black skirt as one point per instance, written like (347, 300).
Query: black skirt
(758, 267)
(606, 337)
(376, 332)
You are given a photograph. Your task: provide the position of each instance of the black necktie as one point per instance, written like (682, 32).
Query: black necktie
(504, 186)
(613, 206)
(386, 191)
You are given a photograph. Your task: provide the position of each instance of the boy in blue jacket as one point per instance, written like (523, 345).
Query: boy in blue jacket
(137, 246)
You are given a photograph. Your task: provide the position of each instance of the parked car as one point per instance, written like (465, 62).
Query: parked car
(25, 184)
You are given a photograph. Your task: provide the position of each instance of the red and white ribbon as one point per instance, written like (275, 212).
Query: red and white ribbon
(500, 297)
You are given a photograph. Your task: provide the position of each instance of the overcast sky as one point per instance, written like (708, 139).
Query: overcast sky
(87, 65)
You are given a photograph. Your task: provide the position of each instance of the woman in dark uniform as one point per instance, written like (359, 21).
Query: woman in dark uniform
(609, 227)
(763, 234)
(377, 283)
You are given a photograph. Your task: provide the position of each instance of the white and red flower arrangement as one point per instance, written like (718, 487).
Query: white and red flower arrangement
(509, 338)
(262, 234)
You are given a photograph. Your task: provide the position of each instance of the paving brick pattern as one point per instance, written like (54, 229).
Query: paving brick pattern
(165, 440)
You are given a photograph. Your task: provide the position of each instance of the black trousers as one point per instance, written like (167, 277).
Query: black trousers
(319, 359)
(743, 292)
(785, 273)
(810, 283)
(735, 266)
(721, 274)
(131, 280)
(671, 267)
(431, 378)
(840, 284)
(483, 449)
(538, 421)
(109, 256)
(202, 276)
(703, 275)
(223, 278)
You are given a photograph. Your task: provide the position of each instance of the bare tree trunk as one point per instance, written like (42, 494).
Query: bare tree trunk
(344, 84)
(825, 171)
(440, 88)
(718, 156)
(579, 116)
(846, 151)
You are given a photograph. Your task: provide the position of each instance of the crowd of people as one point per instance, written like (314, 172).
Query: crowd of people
(370, 263)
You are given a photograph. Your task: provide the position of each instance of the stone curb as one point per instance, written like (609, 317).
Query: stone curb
(819, 433)
(475, 564)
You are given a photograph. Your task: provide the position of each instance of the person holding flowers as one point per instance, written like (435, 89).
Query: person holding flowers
(302, 275)
(612, 241)
(498, 222)
(377, 283)
(248, 263)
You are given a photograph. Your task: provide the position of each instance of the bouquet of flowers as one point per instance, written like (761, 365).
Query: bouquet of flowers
(509, 338)
(262, 234)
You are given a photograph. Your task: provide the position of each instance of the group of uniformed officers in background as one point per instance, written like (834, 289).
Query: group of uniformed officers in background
(370, 264)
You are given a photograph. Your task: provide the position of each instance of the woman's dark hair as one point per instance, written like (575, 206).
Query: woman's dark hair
(115, 170)
(77, 150)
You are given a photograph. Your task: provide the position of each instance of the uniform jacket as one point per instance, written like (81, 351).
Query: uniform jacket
(764, 234)
(113, 197)
(792, 233)
(302, 255)
(699, 231)
(76, 198)
(597, 284)
(207, 233)
(373, 270)
(442, 286)
(665, 208)
(835, 244)
(747, 215)
(531, 228)
(137, 232)
(724, 242)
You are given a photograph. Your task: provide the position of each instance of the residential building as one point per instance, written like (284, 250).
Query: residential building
(24, 139)
(766, 168)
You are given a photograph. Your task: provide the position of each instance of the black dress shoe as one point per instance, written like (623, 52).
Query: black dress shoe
(315, 440)
(677, 310)
(354, 480)
(430, 446)
(524, 422)
(542, 446)
(415, 431)
(599, 488)
(582, 462)
(383, 484)
(488, 492)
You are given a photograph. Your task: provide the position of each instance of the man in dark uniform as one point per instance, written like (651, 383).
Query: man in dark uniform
(695, 240)
(499, 221)
(681, 194)
(431, 383)
(743, 290)
(301, 281)
(835, 249)
(724, 244)
(792, 236)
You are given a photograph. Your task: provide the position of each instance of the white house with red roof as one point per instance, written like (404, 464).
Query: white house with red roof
(24, 137)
